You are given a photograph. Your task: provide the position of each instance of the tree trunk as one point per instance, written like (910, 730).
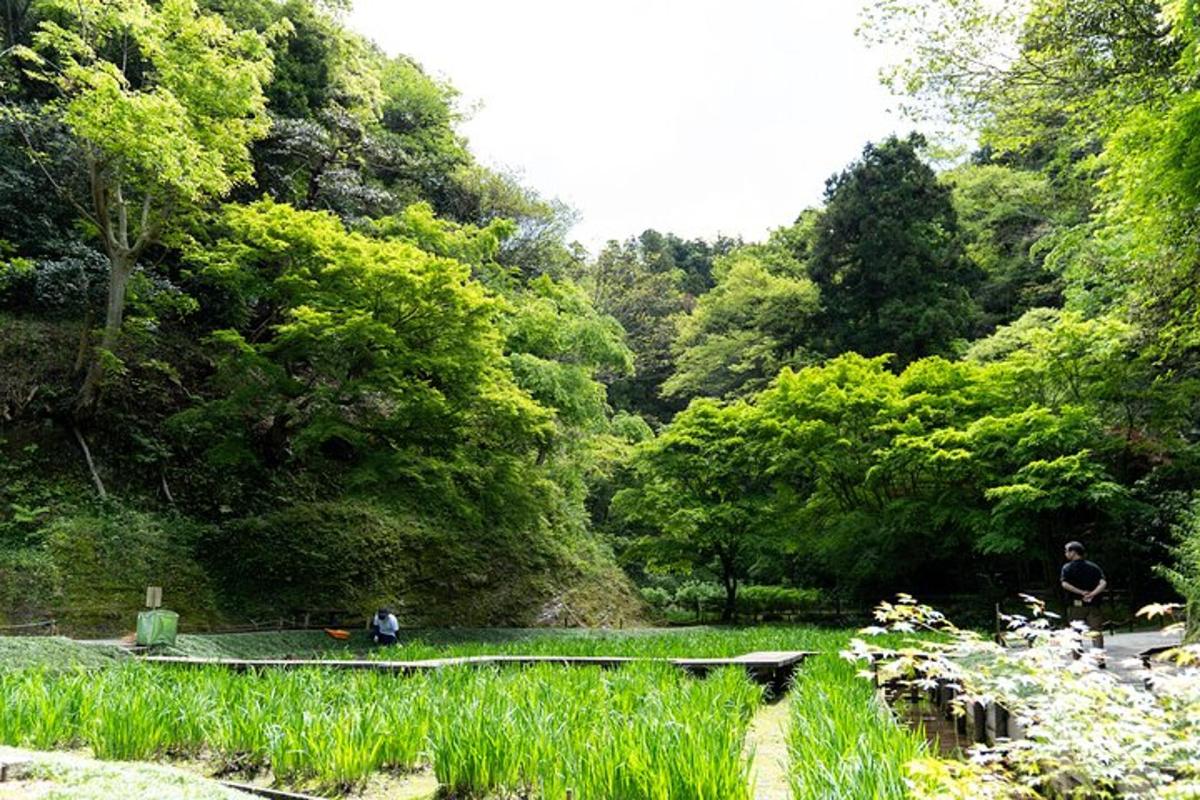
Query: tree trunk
(729, 579)
(89, 392)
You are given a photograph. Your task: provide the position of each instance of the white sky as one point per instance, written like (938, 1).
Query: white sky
(697, 117)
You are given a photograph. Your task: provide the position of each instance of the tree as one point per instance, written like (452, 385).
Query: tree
(664, 252)
(888, 259)
(756, 320)
(644, 301)
(366, 352)
(1007, 217)
(163, 102)
(1039, 78)
(1049, 85)
(700, 496)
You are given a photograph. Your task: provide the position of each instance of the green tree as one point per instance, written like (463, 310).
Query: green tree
(756, 320)
(700, 497)
(664, 252)
(164, 102)
(1007, 217)
(644, 301)
(368, 352)
(1040, 79)
(888, 259)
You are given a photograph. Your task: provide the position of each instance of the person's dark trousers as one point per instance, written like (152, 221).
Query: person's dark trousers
(385, 638)
(1093, 617)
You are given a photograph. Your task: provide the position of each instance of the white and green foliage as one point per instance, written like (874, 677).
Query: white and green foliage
(1087, 733)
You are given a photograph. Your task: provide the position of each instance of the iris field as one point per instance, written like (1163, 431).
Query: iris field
(642, 731)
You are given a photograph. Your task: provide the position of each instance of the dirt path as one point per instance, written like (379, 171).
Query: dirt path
(768, 738)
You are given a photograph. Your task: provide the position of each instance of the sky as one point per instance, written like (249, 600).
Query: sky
(698, 117)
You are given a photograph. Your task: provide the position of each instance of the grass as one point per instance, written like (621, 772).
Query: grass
(643, 731)
(646, 731)
(844, 743)
(272, 644)
(59, 776)
(417, 644)
(22, 652)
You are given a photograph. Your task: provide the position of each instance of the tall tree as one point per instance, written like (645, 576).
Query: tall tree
(1009, 217)
(888, 259)
(644, 301)
(163, 102)
(756, 320)
(700, 496)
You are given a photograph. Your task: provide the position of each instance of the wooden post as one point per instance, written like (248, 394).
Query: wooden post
(979, 722)
(153, 597)
(570, 794)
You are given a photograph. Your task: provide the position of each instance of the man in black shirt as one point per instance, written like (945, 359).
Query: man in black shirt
(1084, 583)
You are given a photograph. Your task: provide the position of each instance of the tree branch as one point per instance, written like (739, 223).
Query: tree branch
(32, 152)
(87, 456)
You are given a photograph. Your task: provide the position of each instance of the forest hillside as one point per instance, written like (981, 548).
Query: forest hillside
(273, 338)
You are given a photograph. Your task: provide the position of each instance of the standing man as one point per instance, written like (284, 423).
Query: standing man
(1084, 582)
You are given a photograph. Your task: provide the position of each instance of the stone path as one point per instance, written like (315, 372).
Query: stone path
(1122, 650)
(767, 740)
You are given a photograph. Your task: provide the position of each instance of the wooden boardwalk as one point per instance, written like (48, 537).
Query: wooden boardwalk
(774, 668)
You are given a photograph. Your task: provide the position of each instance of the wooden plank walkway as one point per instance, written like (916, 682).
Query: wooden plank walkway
(774, 668)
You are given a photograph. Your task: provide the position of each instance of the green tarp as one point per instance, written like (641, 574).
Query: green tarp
(157, 627)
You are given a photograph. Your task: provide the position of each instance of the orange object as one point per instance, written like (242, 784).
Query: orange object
(337, 634)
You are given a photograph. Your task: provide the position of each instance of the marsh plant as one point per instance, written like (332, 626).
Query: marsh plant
(645, 731)
(844, 741)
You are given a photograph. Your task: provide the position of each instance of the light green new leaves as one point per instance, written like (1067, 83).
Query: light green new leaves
(388, 344)
(177, 114)
(742, 331)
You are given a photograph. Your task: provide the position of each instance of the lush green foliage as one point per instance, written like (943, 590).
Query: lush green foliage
(373, 330)
(329, 332)
(888, 260)
(1185, 573)
(756, 320)
(918, 472)
(843, 741)
(874, 478)
(641, 732)
(700, 496)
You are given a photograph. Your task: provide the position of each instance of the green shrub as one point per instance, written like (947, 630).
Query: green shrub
(775, 599)
(1185, 574)
(30, 584)
(699, 596)
(656, 597)
(107, 558)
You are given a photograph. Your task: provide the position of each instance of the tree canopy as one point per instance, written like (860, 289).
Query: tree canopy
(257, 291)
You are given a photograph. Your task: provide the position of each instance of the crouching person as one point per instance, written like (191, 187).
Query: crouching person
(384, 627)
